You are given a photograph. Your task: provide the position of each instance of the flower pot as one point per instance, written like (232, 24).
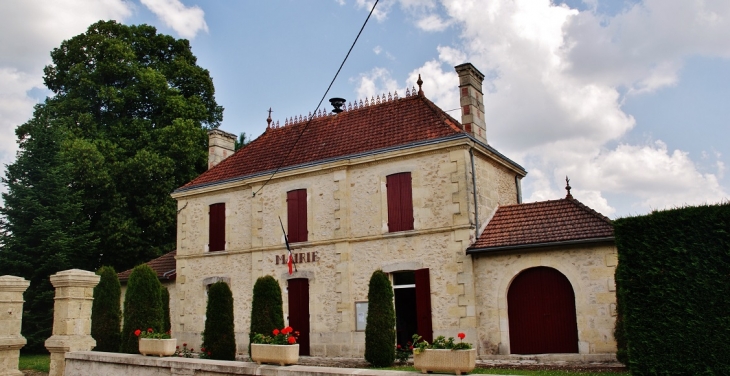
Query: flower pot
(456, 361)
(277, 354)
(159, 347)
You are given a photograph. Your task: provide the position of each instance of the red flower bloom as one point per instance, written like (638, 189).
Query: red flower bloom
(287, 330)
(276, 332)
(292, 340)
(177, 347)
(461, 335)
(397, 347)
(185, 345)
(149, 330)
(202, 349)
(208, 353)
(410, 348)
(137, 332)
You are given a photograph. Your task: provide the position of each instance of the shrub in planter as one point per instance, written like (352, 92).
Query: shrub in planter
(105, 311)
(443, 355)
(219, 339)
(266, 307)
(279, 348)
(380, 324)
(165, 296)
(142, 307)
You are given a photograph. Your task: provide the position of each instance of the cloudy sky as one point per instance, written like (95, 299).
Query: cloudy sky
(629, 98)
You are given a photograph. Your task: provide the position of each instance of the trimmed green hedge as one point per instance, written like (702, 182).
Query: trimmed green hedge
(165, 296)
(673, 290)
(142, 306)
(380, 323)
(106, 314)
(266, 307)
(219, 339)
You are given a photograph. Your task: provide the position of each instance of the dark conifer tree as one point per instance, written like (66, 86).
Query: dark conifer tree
(219, 339)
(105, 311)
(266, 307)
(142, 306)
(380, 324)
(44, 230)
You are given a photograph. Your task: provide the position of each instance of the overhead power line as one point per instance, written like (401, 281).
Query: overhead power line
(320, 101)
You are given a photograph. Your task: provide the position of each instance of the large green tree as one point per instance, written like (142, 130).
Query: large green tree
(91, 186)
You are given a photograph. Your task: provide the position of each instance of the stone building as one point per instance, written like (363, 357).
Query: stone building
(391, 183)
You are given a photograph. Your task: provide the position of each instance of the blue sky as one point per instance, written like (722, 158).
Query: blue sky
(629, 98)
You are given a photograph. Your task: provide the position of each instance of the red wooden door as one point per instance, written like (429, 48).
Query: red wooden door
(299, 311)
(541, 309)
(423, 304)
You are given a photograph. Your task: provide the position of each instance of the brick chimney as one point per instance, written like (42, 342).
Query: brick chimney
(221, 145)
(472, 100)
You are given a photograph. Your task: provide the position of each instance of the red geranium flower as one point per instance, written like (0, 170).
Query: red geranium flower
(149, 330)
(137, 332)
(397, 347)
(276, 332)
(292, 340)
(185, 345)
(287, 330)
(461, 335)
(202, 349)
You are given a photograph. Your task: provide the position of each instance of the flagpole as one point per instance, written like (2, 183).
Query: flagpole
(286, 240)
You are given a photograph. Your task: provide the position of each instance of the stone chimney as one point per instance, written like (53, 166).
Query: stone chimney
(472, 100)
(221, 145)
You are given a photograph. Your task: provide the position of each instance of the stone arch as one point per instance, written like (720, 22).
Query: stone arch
(569, 270)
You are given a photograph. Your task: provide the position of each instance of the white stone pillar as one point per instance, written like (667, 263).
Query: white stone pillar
(11, 318)
(71, 316)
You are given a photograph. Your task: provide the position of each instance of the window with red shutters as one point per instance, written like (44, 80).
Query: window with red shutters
(217, 227)
(296, 203)
(400, 202)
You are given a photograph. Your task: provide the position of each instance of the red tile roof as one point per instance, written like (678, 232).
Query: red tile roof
(542, 224)
(393, 123)
(164, 266)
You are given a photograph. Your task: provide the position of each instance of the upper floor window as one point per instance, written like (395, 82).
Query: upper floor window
(296, 203)
(217, 227)
(400, 202)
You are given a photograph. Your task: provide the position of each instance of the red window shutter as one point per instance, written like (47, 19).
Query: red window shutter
(296, 202)
(217, 227)
(400, 202)
(423, 305)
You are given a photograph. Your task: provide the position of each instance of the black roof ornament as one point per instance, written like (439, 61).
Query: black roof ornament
(567, 187)
(337, 103)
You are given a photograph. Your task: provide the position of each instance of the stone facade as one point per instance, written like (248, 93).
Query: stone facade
(348, 232)
(590, 270)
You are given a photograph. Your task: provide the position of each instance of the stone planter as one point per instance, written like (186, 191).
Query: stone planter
(277, 354)
(159, 347)
(456, 361)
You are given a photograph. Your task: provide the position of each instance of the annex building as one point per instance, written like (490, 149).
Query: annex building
(394, 183)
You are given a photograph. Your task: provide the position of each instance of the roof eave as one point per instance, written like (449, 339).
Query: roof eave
(539, 245)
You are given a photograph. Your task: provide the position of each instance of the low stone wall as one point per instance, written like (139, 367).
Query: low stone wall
(84, 363)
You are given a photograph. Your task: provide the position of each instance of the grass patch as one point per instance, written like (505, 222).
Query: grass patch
(36, 362)
(501, 371)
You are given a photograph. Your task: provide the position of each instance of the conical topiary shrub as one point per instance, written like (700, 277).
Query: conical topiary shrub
(266, 308)
(219, 339)
(165, 296)
(380, 324)
(105, 311)
(142, 306)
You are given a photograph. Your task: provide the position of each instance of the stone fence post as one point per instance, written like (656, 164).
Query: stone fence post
(11, 318)
(71, 316)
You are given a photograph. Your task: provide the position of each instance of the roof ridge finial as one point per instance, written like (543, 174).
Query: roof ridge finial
(567, 187)
(420, 82)
(268, 119)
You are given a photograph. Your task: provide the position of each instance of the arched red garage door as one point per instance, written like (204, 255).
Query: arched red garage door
(541, 309)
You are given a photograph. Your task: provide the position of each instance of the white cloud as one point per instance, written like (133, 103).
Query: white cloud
(377, 50)
(376, 82)
(553, 92)
(381, 10)
(186, 21)
(432, 22)
(29, 30)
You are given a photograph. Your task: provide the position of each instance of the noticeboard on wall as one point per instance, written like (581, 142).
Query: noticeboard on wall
(361, 315)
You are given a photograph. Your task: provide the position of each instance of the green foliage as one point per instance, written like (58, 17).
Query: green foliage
(242, 141)
(380, 324)
(105, 311)
(673, 290)
(440, 343)
(219, 339)
(165, 296)
(142, 307)
(125, 126)
(42, 225)
(266, 307)
(285, 336)
(38, 362)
